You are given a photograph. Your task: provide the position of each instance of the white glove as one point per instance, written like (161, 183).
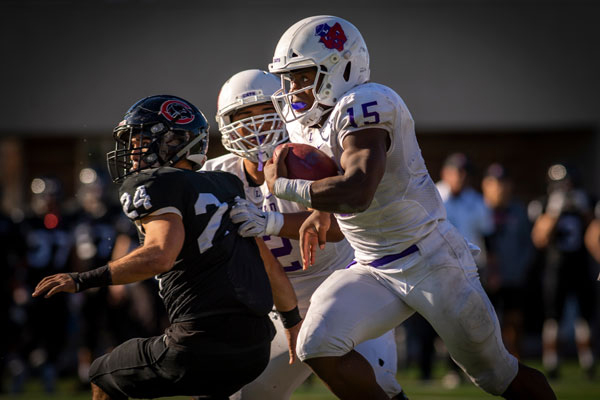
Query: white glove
(255, 222)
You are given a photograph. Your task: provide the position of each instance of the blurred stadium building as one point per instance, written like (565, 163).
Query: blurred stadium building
(507, 81)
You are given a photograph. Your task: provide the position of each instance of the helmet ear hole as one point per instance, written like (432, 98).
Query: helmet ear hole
(347, 71)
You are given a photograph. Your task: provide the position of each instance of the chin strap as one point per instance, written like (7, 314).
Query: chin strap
(317, 117)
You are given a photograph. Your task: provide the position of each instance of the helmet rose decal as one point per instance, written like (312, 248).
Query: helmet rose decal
(332, 37)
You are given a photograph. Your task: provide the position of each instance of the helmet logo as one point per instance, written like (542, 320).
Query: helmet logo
(248, 94)
(177, 111)
(332, 37)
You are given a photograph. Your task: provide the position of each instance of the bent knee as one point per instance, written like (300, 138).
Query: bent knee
(97, 367)
(315, 340)
(315, 348)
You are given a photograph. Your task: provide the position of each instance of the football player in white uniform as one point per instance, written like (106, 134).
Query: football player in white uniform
(408, 257)
(251, 129)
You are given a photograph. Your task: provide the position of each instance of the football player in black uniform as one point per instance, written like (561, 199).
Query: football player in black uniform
(558, 233)
(211, 280)
(46, 238)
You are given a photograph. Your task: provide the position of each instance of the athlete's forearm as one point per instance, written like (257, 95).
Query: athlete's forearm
(340, 194)
(284, 296)
(363, 162)
(141, 264)
(293, 222)
(164, 239)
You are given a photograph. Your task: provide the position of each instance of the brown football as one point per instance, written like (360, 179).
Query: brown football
(304, 161)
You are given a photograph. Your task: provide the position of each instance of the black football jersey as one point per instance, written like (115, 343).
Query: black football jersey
(48, 243)
(217, 271)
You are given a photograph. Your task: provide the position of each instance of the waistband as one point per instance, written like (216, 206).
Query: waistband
(390, 257)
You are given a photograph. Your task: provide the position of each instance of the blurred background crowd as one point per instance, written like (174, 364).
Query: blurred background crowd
(504, 95)
(49, 338)
(538, 262)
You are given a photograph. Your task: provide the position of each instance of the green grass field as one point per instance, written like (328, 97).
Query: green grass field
(572, 386)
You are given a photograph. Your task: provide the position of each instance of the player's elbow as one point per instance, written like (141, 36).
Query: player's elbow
(360, 190)
(353, 205)
(160, 266)
(164, 266)
(159, 260)
(359, 201)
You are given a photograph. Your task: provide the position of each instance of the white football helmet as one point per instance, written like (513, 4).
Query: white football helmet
(254, 138)
(336, 48)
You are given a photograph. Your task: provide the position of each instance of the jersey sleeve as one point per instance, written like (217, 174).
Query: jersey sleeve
(364, 108)
(209, 165)
(214, 164)
(153, 194)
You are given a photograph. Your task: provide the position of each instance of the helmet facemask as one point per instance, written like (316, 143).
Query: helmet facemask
(293, 111)
(121, 161)
(157, 145)
(254, 137)
(249, 126)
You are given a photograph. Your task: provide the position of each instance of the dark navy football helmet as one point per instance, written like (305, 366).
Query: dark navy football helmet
(158, 131)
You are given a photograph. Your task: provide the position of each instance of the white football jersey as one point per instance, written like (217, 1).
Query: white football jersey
(406, 206)
(287, 251)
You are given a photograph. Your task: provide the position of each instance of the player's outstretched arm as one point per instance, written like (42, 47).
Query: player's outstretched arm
(163, 241)
(256, 223)
(284, 297)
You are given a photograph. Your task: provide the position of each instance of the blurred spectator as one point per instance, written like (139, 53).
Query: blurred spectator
(465, 207)
(510, 254)
(43, 323)
(10, 261)
(561, 218)
(45, 337)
